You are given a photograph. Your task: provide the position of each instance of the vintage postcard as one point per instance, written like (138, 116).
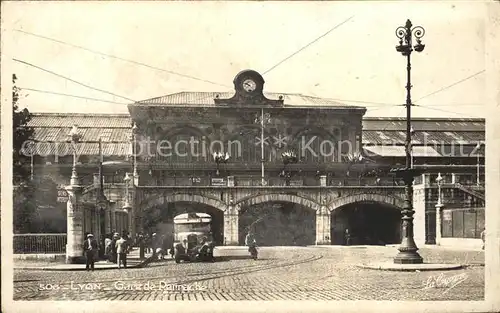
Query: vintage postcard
(250, 156)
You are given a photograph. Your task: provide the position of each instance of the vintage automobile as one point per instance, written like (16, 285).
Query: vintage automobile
(193, 240)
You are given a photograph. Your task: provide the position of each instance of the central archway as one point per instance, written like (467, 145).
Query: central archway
(366, 222)
(278, 220)
(160, 211)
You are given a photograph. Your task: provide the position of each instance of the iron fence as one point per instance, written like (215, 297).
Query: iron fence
(39, 243)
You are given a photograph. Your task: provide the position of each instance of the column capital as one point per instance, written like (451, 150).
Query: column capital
(232, 209)
(73, 188)
(323, 210)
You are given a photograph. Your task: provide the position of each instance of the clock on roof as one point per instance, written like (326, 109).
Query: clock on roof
(249, 83)
(249, 87)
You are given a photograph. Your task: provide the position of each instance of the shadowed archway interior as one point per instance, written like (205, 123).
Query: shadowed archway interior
(368, 223)
(277, 223)
(160, 218)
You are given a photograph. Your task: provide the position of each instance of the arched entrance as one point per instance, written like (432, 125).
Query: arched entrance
(161, 212)
(278, 221)
(368, 223)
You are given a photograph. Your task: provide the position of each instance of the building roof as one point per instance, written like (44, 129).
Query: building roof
(424, 124)
(195, 99)
(449, 134)
(83, 120)
(385, 137)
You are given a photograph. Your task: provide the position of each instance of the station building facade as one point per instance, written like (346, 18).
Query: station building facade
(296, 169)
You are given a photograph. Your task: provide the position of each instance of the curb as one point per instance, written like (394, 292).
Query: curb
(75, 269)
(410, 268)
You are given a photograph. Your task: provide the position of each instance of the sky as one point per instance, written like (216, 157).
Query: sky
(355, 62)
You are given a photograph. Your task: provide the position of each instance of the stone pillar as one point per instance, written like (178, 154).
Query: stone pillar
(323, 216)
(322, 180)
(74, 245)
(231, 234)
(230, 181)
(454, 178)
(439, 210)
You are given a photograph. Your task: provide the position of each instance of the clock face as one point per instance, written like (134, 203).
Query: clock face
(249, 85)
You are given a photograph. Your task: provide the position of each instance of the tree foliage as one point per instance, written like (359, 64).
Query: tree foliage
(24, 190)
(22, 134)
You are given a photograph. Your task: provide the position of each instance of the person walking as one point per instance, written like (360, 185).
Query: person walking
(142, 246)
(347, 237)
(251, 243)
(113, 256)
(154, 245)
(107, 247)
(121, 250)
(90, 249)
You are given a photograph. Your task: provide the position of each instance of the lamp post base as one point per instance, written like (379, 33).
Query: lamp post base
(408, 257)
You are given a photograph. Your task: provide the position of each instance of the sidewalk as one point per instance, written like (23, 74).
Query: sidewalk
(133, 261)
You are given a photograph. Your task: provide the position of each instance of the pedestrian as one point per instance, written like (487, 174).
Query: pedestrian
(483, 237)
(114, 255)
(147, 241)
(347, 237)
(154, 245)
(107, 246)
(102, 247)
(142, 245)
(90, 249)
(251, 243)
(202, 250)
(121, 250)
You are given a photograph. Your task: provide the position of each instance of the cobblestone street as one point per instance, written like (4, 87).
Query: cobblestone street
(282, 273)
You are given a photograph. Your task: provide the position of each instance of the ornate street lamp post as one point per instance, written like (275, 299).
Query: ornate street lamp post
(126, 206)
(135, 130)
(408, 249)
(101, 200)
(220, 157)
(127, 180)
(439, 207)
(439, 181)
(75, 138)
(289, 157)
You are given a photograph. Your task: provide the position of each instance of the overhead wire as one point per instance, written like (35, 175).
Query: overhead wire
(119, 58)
(304, 47)
(199, 79)
(71, 80)
(449, 86)
(70, 95)
(446, 111)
